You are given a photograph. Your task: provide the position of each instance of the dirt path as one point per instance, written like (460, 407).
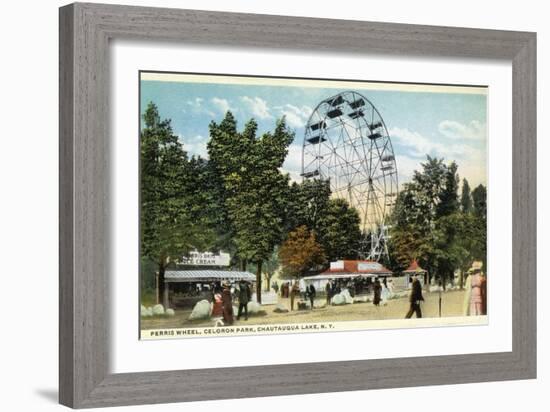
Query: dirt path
(394, 309)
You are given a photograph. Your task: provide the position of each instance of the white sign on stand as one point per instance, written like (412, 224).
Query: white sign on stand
(366, 266)
(338, 265)
(268, 298)
(197, 258)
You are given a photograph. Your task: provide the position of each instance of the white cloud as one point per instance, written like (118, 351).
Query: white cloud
(455, 130)
(197, 106)
(195, 145)
(293, 174)
(196, 102)
(471, 167)
(295, 116)
(475, 171)
(421, 146)
(406, 167)
(258, 106)
(221, 104)
(293, 162)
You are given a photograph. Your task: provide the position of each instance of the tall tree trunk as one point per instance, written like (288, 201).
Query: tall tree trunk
(427, 281)
(157, 288)
(268, 277)
(244, 263)
(259, 282)
(160, 283)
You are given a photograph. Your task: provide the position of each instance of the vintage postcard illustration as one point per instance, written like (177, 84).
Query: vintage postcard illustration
(286, 205)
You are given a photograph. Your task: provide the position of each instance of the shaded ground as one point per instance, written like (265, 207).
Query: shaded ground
(395, 309)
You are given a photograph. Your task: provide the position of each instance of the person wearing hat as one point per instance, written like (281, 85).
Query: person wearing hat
(377, 290)
(217, 306)
(328, 291)
(415, 298)
(476, 291)
(311, 293)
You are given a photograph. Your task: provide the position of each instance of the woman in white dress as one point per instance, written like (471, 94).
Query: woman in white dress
(385, 293)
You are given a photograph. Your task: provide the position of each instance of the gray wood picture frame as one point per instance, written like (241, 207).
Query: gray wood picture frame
(85, 32)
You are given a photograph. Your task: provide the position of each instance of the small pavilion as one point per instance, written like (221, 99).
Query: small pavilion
(349, 270)
(414, 269)
(201, 276)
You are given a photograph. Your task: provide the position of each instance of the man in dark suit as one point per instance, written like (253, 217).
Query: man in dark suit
(415, 299)
(311, 293)
(244, 298)
(328, 290)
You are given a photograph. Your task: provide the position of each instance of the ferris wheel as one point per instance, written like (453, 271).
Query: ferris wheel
(346, 142)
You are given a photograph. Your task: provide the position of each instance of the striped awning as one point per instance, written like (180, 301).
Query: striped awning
(207, 276)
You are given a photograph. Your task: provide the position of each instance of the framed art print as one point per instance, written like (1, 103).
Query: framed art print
(276, 197)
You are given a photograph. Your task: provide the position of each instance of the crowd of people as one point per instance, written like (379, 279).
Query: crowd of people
(380, 289)
(225, 294)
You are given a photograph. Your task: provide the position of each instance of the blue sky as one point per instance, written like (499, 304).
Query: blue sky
(448, 122)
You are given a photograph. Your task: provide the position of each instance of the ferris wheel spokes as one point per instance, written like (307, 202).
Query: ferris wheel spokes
(346, 142)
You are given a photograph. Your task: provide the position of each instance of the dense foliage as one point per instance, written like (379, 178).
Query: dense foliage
(432, 225)
(253, 190)
(334, 222)
(173, 219)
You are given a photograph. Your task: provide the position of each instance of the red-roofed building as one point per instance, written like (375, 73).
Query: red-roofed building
(357, 267)
(415, 269)
(349, 269)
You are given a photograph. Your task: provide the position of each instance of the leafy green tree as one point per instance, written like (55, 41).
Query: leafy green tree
(308, 203)
(335, 223)
(222, 161)
(404, 246)
(300, 253)
(254, 190)
(171, 221)
(479, 197)
(444, 237)
(447, 251)
(428, 224)
(339, 230)
(270, 267)
(472, 237)
(448, 196)
(466, 197)
(428, 186)
(418, 203)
